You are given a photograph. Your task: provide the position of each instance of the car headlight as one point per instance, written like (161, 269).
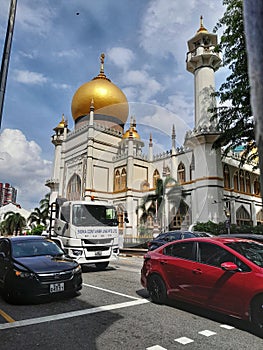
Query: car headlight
(24, 274)
(77, 269)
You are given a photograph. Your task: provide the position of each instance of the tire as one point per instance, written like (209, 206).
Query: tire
(102, 265)
(8, 296)
(257, 312)
(157, 289)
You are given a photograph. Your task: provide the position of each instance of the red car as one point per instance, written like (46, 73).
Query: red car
(223, 274)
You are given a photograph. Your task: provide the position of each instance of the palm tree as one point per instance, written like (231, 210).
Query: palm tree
(14, 222)
(3, 230)
(40, 215)
(154, 204)
(44, 207)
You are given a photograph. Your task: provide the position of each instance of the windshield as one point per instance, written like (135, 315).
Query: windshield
(94, 215)
(253, 251)
(35, 248)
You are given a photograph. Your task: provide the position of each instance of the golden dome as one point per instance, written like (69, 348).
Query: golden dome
(202, 28)
(108, 99)
(131, 132)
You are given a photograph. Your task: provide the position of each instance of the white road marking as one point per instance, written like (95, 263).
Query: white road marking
(156, 347)
(184, 340)
(226, 326)
(110, 291)
(71, 314)
(207, 333)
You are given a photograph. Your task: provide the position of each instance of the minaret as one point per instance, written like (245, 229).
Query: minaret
(150, 148)
(207, 193)
(203, 61)
(57, 139)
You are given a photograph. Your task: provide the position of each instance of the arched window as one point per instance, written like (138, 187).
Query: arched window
(179, 216)
(74, 188)
(235, 178)
(123, 179)
(156, 176)
(260, 217)
(243, 217)
(256, 187)
(117, 180)
(241, 181)
(248, 183)
(181, 173)
(226, 176)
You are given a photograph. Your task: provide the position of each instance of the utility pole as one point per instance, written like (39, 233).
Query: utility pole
(6, 54)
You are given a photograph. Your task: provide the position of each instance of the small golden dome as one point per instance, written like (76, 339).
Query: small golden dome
(108, 99)
(131, 132)
(202, 29)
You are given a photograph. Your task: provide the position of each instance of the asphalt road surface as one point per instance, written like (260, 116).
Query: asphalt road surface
(113, 312)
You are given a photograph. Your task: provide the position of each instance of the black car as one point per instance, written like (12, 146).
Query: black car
(35, 266)
(170, 236)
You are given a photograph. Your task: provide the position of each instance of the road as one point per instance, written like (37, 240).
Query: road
(114, 312)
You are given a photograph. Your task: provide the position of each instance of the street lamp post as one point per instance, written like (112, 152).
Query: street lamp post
(6, 54)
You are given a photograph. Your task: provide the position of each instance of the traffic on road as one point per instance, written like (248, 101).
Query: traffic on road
(113, 311)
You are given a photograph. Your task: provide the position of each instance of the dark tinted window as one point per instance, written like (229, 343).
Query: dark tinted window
(253, 251)
(188, 235)
(174, 236)
(183, 250)
(214, 255)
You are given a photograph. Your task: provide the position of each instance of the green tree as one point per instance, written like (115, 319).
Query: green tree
(234, 112)
(14, 222)
(153, 203)
(40, 215)
(3, 229)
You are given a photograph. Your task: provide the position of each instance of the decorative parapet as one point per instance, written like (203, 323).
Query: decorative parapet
(96, 126)
(201, 130)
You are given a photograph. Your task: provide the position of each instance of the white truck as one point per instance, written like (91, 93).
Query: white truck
(87, 231)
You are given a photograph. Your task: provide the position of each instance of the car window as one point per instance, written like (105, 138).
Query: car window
(35, 248)
(214, 255)
(183, 250)
(253, 251)
(188, 235)
(174, 236)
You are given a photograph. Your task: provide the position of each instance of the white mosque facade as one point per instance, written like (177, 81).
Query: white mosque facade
(102, 160)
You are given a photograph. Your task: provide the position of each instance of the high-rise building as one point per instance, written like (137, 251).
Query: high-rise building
(7, 194)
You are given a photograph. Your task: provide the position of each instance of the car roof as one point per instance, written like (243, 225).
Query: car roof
(24, 238)
(218, 239)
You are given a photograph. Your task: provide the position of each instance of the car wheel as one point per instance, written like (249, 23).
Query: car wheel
(257, 312)
(102, 265)
(8, 295)
(157, 289)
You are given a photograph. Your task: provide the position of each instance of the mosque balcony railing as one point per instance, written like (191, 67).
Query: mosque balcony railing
(52, 181)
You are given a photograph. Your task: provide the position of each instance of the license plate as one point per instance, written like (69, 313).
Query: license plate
(56, 287)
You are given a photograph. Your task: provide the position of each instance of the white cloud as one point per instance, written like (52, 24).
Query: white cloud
(146, 86)
(23, 167)
(34, 17)
(66, 53)
(27, 77)
(121, 56)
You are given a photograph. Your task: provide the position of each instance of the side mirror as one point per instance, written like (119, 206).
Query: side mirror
(229, 266)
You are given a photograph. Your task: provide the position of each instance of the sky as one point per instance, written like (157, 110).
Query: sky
(56, 48)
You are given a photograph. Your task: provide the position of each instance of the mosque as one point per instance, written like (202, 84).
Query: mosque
(102, 159)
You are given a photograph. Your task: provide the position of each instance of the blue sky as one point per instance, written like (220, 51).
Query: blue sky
(56, 48)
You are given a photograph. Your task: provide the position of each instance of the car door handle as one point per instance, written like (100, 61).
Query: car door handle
(197, 271)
